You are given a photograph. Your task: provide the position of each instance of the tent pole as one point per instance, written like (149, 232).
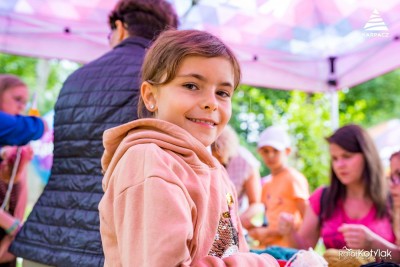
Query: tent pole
(332, 82)
(334, 99)
(42, 76)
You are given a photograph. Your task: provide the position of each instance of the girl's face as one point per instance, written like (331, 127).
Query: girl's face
(13, 100)
(347, 166)
(198, 99)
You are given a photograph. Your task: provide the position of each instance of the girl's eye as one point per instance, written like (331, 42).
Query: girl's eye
(223, 93)
(190, 86)
(20, 100)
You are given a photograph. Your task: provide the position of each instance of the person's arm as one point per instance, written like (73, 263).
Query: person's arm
(301, 205)
(11, 225)
(359, 236)
(6, 256)
(308, 233)
(20, 207)
(264, 235)
(8, 222)
(19, 130)
(300, 193)
(252, 187)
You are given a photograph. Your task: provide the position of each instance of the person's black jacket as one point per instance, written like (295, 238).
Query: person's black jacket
(63, 227)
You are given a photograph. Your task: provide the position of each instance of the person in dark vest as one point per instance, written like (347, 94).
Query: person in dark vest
(63, 227)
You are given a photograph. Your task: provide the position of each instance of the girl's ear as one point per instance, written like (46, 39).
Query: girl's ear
(121, 31)
(149, 96)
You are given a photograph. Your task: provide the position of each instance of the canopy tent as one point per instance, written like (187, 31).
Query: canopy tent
(309, 45)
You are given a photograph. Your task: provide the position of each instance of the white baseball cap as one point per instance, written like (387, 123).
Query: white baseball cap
(274, 136)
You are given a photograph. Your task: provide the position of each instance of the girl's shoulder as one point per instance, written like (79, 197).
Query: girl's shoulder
(150, 152)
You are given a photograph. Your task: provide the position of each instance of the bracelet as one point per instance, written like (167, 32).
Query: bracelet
(13, 227)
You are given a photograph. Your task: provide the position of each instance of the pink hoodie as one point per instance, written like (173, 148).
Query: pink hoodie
(165, 201)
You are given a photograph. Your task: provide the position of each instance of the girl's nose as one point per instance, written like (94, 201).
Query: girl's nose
(210, 102)
(340, 163)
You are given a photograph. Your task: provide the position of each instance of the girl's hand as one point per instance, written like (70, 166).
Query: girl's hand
(286, 223)
(357, 236)
(9, 156)
(257, 232)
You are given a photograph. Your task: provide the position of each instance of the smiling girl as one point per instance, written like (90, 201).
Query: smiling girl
(167, 200)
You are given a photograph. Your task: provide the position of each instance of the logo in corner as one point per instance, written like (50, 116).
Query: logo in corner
(375, 26)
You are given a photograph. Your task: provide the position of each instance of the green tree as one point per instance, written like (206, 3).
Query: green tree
(372, 102)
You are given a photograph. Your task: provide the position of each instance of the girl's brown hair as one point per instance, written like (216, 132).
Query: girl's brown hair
(8, 81)
(355, 139)
(226, 146)
(395, 155)
(171, 47)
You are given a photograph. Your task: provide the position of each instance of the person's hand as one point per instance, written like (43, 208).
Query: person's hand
(257, 232)
(395, 192)
(264, 235)
(46, 126)
(286, 223)
(9, 158)
(357, 236)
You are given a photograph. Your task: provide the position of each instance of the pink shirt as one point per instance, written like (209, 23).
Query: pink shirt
(329, 229)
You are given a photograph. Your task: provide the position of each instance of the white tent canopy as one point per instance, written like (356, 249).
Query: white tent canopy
(309, 45)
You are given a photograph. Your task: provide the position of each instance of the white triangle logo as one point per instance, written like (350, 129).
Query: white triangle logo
(375, 22)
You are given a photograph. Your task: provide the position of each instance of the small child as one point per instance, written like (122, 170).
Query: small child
(284, 190)
(167, 200)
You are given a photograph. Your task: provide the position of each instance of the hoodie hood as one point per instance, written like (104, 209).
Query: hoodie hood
(166, 135)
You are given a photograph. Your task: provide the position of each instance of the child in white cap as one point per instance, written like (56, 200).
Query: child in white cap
(284, 190)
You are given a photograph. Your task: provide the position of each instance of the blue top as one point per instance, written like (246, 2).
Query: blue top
(19, 130)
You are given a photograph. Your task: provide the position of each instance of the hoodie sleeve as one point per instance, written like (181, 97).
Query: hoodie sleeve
(153, 225)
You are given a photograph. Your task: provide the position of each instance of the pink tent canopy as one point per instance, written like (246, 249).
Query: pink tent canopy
(310, 45)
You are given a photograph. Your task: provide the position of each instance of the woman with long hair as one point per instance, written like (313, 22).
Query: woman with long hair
(354, 211)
